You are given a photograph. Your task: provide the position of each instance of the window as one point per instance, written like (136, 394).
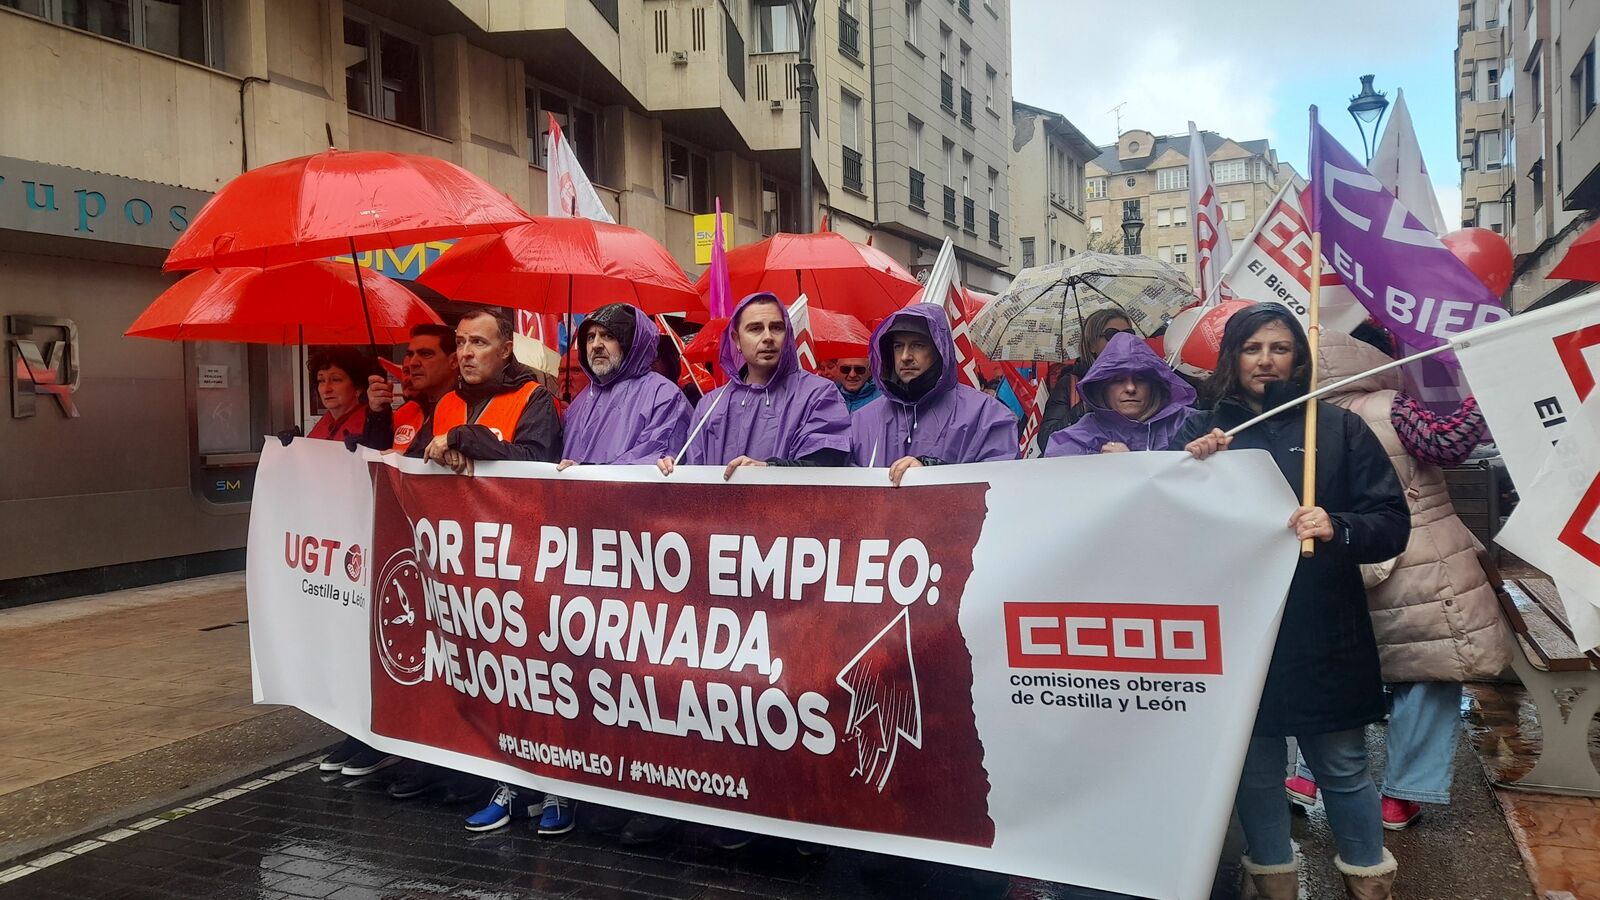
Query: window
(944, 47)
(1490, 151)
(966, 175)
(1094, 188)
(914, 142)
(688, 177)
(1262, 174)
(1028, 258)
(386, 74)
(777, 30)
(1163, 218)
(1583, 90)
(850, 132)
(187, 29)
(991, 81)
(913, 22)
(1180, 254)
(1164, 254)
(949, 164)
(1494, 84)
(1536, 88)
(1228, 172)
(779, 211)
(966, 56)
(578, 121)
(849, 29)
(1491, 215)
(1174, 179)
(1096, 224)
(1180, 216)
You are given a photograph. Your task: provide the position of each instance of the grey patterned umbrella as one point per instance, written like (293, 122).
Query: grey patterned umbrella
(1040, 316)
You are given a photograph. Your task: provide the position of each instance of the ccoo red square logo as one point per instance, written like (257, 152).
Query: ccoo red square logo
(1151, 638)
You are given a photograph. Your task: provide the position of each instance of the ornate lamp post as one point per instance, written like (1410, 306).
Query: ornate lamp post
(806, 18)
(1132, 226)
(1367, 108)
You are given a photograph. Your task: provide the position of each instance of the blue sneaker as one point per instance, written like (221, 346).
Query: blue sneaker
(497, 814)
(558, 815)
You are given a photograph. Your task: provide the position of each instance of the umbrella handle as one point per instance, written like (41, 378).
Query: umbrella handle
(361, 288)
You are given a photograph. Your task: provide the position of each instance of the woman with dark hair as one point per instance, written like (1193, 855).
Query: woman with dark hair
(1323, 685)
(1065, 406)
(340, 374)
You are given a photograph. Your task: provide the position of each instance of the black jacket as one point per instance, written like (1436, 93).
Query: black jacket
(1059, 411)
(1324, 674)
(539, 434)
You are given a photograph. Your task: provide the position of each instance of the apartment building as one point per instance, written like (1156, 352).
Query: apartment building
(1548, 169)
(122, 116)
(1137, 192)
(1048, 156)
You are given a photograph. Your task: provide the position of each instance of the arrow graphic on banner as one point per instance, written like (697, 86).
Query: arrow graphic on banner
(884, 703)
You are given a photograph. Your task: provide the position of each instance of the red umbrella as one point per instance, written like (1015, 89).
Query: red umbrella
(558, 264)
(337, 202)
(831, 270)
(835, 336)
(314, 302)
(1582, 262)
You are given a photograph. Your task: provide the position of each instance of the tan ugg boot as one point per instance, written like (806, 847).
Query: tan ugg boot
(1369, 882)
(1280, 882)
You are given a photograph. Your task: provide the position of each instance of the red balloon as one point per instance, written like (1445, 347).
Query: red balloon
(1486, 254)
(1204, 342)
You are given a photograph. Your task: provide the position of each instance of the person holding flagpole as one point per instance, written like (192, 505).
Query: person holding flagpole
(1323, 683)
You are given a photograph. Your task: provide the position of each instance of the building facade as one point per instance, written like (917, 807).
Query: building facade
(1048, 156)
(121, 117)
(1137, 192)
(1542, 56)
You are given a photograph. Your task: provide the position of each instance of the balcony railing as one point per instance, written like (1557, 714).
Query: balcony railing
(969, 215)
(916, 190)
(949, 205)
(947, 92)
(852, 169)
(994, 226)
(966, 107)
(849, 33)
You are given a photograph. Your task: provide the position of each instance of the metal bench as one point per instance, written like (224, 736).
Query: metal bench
(1550, 664)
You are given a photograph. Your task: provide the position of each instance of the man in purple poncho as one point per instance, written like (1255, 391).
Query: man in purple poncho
(629, 413)
(1135, 402)
(924, 417)
(770, 412)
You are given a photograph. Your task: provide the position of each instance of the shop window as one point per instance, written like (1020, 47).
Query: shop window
(385, 72)
(187, 29)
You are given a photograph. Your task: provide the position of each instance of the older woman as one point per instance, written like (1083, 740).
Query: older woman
(1323, 685)
(1135, 400)
(341, 378)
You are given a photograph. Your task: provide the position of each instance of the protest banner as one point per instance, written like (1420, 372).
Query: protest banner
(805, 653)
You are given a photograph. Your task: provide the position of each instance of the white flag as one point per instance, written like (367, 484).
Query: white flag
(1274, 264)
(1212, 248)
(568, 189)
(941, 288)
(804, 340)
(1535, 376)
(1399, 165)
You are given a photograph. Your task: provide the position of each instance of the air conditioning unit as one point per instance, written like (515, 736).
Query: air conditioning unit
(776, 104)
(680, 57)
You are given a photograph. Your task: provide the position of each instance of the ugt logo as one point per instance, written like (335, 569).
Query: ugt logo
(42, 368)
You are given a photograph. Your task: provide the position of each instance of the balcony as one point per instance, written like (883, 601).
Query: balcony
(994, 226)
(852, 170)
(949, 205)
(849, 34)
(966, 107)
(917, 201)
(947, 92)
(969, 216)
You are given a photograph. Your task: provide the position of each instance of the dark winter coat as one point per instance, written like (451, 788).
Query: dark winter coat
(1324, 675)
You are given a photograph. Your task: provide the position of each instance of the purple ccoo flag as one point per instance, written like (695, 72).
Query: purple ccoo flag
(1397, 268)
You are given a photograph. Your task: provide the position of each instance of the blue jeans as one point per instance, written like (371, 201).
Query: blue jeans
(1339, 763)
(1423, 728)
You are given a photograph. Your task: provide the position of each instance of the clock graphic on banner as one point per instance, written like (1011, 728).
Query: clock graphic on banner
(399, 622)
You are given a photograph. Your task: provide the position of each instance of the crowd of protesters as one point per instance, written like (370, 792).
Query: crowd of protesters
(1394, 594)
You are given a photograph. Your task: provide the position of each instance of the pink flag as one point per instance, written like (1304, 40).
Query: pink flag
(721, 300)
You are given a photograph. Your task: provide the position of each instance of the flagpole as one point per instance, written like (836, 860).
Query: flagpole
(1337, 385)
(1308, 489)
(701, 424)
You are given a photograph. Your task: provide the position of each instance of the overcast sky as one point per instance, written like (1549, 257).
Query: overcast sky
(1244, 69)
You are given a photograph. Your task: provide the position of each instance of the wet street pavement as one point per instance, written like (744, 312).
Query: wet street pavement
(291, 834)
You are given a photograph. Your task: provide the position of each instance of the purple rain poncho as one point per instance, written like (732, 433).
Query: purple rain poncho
(634, 415)
(952, 423)
(792, 416)
(1125, 354)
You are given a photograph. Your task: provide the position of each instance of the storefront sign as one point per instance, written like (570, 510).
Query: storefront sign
(401, 263)
(39, 198)
(705, 233)
(41, 367)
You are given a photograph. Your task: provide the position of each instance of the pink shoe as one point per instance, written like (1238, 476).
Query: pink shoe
(1399, 814)
(1301, 790)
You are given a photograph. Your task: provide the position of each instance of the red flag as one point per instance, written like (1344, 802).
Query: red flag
(1028, 395)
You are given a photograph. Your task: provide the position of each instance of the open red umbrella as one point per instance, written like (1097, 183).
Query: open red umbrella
(337, 202)
(833, 271)
(1582, 262)
(314, 302)
(834, 335)
(564, 265)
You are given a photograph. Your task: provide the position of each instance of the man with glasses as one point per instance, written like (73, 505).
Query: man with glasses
(855, 383)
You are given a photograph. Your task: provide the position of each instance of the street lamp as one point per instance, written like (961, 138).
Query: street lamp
(1367, 108)
(1132, 226)
(805, 18)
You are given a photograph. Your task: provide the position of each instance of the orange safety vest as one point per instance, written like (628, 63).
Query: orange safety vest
(408, 421)
(500, 415)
